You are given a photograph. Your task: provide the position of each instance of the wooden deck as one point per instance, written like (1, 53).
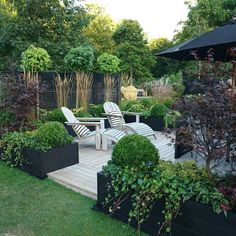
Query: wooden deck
(82, 177)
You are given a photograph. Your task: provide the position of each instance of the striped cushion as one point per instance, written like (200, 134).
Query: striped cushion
(81, 130)
(115, 120)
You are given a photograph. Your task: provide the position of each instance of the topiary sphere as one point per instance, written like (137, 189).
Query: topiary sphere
(134, 149)
(53, 134)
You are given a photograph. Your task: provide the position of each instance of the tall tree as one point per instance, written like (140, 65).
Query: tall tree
(163, 66)
(204, 15)
(54, 25)
(132, 49)
(100, 29)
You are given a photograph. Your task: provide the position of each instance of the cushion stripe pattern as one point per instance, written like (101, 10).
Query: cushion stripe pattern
(81, 130)
(115, 118)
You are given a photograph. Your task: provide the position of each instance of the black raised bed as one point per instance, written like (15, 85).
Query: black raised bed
(1, 151)
(196, 219)
(156, 123)
(183, 143)
(40, 163)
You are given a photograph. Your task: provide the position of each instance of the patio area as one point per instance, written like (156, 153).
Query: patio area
(82, 177)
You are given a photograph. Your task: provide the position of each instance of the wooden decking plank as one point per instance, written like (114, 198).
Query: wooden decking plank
(82, 177)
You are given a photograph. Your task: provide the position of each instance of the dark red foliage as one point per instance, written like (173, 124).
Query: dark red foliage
(21, 100)
(209, 116)
(228, 188)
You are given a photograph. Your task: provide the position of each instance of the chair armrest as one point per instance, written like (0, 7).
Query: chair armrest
(117, 115)
(131, 113)
(137, 114)
(91, 118)
(83, 123)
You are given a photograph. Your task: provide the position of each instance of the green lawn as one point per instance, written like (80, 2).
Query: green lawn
(29, 206)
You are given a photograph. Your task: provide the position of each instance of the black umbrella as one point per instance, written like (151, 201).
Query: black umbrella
(221, 41)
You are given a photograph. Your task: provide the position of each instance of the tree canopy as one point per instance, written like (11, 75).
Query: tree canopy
(80, 59)
(54, 25)
(108, 63)
(131, 48)
(204, 15)
(35, 59)
(100, 29)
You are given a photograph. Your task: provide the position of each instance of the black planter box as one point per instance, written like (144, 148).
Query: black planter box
(156, 123)
(40, 163)
(1, 151)
(180, 147)
(150, 226)
(196, 219)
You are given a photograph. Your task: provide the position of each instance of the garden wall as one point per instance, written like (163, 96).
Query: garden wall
(48, 101)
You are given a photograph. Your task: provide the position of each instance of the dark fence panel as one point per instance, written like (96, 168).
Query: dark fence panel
(49, 101)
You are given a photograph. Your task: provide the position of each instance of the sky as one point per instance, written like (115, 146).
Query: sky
(158, 18)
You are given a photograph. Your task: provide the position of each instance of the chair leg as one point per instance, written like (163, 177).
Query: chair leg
(104, 143)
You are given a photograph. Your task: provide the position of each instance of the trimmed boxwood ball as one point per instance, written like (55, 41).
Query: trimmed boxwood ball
(53, 134)
(134, 149)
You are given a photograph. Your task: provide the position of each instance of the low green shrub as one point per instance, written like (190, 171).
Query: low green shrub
(55, 115)
(133, 150)
(158, 110)
(48, 135)
(12, 144)
(174, 183)
(6, 117)
(51, 135)
(96, 110)
(168, 102)
(79, 112)
(147, 103)
(127, 105)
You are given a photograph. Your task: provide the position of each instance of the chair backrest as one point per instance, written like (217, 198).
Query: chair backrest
(80, 130)
(112, 109)
(69, 115)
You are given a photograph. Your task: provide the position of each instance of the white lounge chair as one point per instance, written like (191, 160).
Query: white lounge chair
(116, 120)
(100, 134)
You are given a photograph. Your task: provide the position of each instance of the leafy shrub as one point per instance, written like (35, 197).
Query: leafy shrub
(56, 115)
(170, 118)
(80, 112)
(12, 144)
(133, 106)
(96, 110)
(127, 105)
(51, 135)
(174, 183)
(147, 103)
(158, 110)
(133, 150)
(48, 135)
(168, 102)
(6, 117)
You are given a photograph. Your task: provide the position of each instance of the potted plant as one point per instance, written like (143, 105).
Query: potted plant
(157, 116)
(108, 64)
(139, 188)
(42, 151)
(155, 119)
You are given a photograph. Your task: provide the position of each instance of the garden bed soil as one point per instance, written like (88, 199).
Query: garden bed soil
(156, 123)
(40, 163)
(196, 219)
